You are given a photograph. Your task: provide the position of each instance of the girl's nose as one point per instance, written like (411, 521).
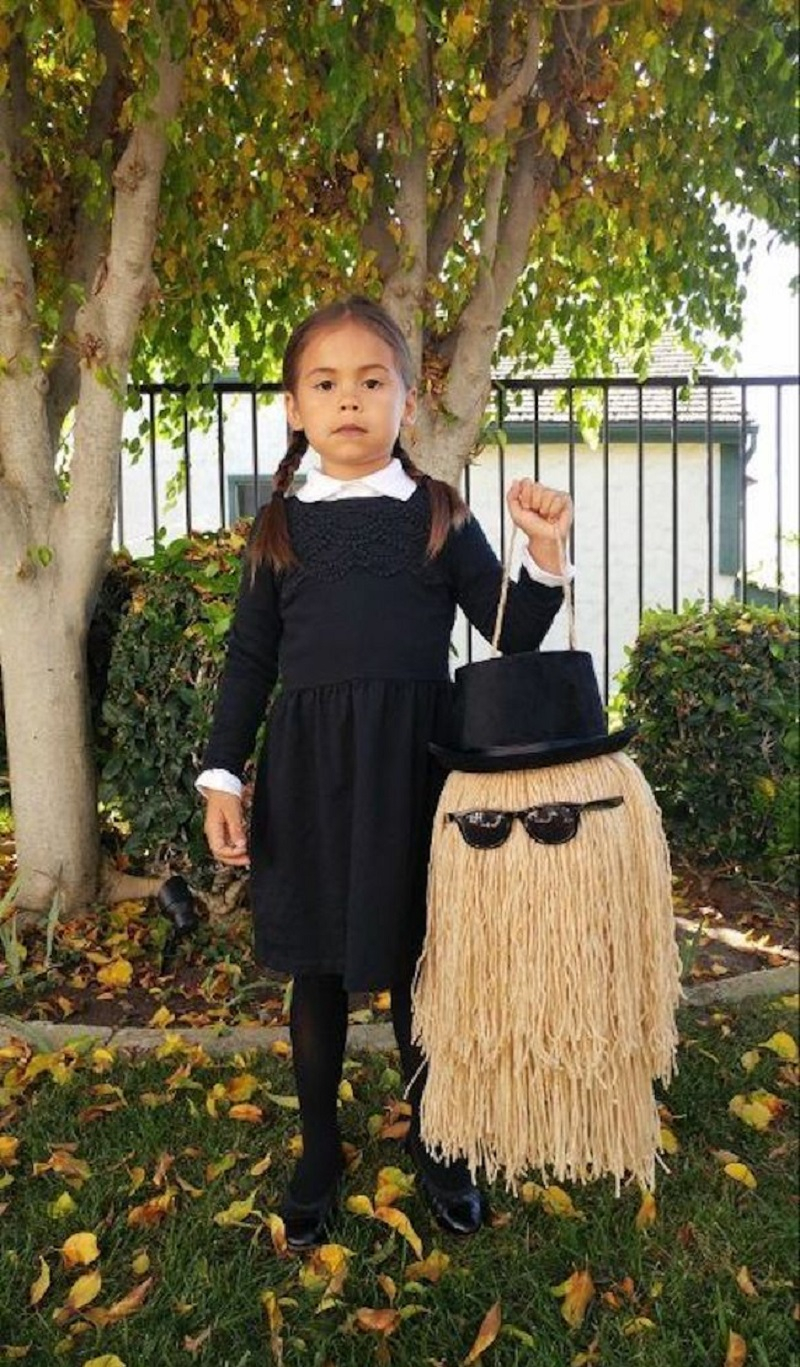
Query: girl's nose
(348, 398)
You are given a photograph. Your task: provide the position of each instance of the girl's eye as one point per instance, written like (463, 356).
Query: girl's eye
(325, 385)
(372, 384)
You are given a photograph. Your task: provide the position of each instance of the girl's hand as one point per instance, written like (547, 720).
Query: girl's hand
(545, 515)
(225, 830)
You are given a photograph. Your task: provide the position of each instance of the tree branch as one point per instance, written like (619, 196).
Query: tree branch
(90, 230)
(106, 327)
(24, 451)
(445, 224)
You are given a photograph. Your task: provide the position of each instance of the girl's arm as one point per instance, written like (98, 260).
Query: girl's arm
(249, 674)
(476, 575)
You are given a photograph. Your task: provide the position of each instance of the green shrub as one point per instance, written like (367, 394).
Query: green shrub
(162, 676)
(714, 693)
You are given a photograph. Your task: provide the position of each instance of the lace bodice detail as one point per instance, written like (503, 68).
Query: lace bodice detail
(382, 536)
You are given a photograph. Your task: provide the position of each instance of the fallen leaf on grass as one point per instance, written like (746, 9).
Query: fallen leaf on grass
(236, 1213)
(393, 1185)
(151, 1212)
(757, 1109)
(739, 1172)
(577, 1292)
(360, 1205)
(750, 1060)
(744, 1282)
(79, 1250)
(640, 1325)
(668, 1140)
(246, 1111)
(782, 1044)
(105, 1360)
(127, 1305)
(431, 1269)
(589, 1356)
(81, 1293)
(647, 1213)
(193, 1345)
(61, 1207)
(8, 1151)
(74, 1170)
(277, 1231)
(736, 1354)
(397, 1220)
(487, 1334)
(42, 1283)
(378, 1321)
(326, 1270)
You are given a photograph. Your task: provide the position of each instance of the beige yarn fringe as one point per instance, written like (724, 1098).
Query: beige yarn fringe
(545, 995)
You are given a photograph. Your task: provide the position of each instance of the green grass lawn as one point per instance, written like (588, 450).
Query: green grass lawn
(151, 1158)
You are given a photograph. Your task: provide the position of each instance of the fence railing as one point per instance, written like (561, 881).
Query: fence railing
(682, 491)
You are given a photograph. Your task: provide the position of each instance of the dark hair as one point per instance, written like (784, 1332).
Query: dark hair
(271, 542)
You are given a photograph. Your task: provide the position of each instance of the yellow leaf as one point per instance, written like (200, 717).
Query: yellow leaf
(556, 1202)
(79, 1250)
(393, 1185)
(530, 1192)
(8, 1151)
(281, 1048)
(740, 1172)
(750, 1060)
(388, 1285)
(41, 1284)
(577, 1292)
(277, 1231)
(116, 974)
(542, 113)
(668, 1140)
(736, 1354)
(360, 1205)
(360, 182)
(431, 1269)
(647, 1213)
(105, 1360)
(600, 22)
(236, 1213)
(382, 1001)
(242, 1087)
(397, 1220)
(140, 1264)
(152, 1212)
(61, 1207)
(161, 1018)
(258, 1169)
(487, 1334)
(750, 1111)
(82, 1292)
(782, 1044)
(639, 1325)
(345, 1090)
(272, 1310)
(744, 1282)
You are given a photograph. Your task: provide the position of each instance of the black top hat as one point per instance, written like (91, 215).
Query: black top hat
(527, 711)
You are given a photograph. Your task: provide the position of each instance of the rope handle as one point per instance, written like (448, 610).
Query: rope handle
(568, 596)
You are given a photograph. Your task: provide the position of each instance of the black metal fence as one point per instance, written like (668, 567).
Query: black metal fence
(682, 491)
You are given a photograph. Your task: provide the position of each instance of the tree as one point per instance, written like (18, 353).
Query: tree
(505, 172)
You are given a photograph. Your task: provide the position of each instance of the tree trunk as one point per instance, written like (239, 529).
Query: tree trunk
(50, 751)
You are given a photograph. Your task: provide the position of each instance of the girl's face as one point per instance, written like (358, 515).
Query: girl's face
(350, 399)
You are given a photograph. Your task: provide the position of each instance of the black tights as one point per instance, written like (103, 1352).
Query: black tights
(318, 1027)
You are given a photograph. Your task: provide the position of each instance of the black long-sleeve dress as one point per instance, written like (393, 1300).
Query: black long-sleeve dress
(345, 788)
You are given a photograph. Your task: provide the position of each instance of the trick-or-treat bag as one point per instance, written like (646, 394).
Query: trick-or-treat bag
(545, 995)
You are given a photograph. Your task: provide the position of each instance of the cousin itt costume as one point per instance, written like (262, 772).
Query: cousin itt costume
(358, 634)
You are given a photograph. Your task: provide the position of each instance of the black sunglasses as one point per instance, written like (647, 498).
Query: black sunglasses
(552, 823)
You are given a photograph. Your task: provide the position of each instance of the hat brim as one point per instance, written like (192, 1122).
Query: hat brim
(539, 756)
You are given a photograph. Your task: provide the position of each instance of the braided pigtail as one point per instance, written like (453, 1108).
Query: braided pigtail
(271, 542)
(448, 509)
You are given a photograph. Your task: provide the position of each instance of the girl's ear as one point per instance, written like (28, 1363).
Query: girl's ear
(409, 408)
(292, 414)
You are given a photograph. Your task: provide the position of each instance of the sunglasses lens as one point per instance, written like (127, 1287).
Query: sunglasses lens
(484, 830)
(553, 824)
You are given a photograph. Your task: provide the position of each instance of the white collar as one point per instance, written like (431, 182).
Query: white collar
(391, 481)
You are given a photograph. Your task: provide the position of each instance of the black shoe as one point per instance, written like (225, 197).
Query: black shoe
(308, 1223)
(457, 1209)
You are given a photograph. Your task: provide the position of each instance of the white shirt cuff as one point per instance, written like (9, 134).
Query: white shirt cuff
(551, 581)
(219, 781)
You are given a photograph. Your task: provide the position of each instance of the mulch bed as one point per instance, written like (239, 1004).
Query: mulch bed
(725, 927)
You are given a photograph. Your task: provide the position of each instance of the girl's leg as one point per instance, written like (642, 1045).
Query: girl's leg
(449, 1177)
(318, 1028)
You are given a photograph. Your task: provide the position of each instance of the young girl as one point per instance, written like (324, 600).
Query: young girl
(349, 593)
